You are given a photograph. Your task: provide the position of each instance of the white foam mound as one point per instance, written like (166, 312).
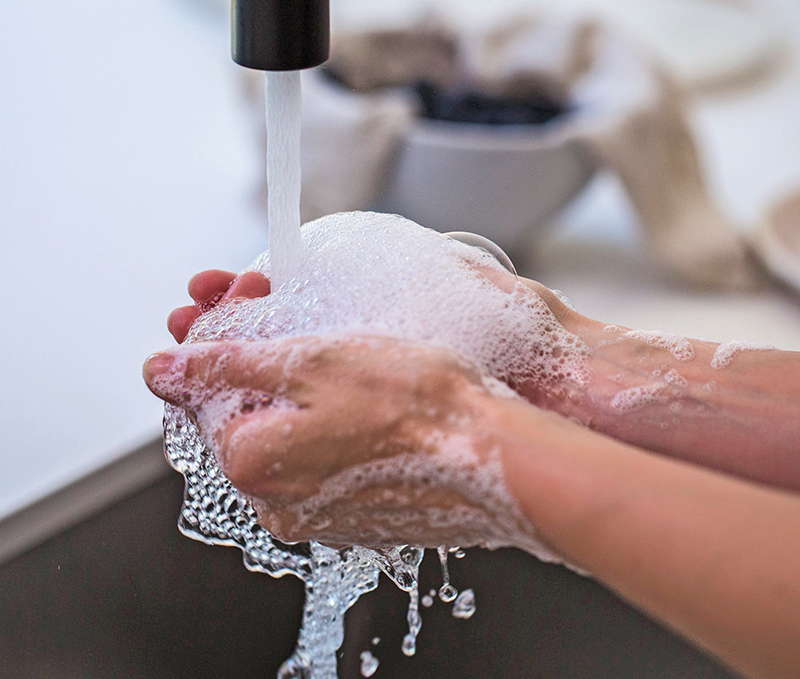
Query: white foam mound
(374, 274)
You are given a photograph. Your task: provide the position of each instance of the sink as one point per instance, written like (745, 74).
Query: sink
(122, 594)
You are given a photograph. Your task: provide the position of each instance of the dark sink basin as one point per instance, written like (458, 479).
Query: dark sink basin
(123, 595)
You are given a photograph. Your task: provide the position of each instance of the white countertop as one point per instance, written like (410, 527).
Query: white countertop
(128, 163)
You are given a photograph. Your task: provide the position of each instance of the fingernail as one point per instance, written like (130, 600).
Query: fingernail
(158, 364)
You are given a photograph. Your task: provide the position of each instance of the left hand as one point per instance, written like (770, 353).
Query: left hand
(208, 289)
(287, 417)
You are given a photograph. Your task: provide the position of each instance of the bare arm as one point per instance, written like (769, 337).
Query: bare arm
(743, 419)
(715, 558)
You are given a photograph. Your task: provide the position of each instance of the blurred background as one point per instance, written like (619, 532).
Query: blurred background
(641, 156)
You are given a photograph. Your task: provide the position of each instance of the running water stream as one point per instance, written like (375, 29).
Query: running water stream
(283, 100)
(216, 513)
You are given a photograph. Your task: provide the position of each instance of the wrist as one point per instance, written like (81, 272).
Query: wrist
(533, 445)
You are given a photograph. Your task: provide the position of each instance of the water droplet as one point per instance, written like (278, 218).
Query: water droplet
(376, 641)
(460, 554)
(294, 668)
(447, 593)
(410, 555)
(409, 645)
(369, 663)
(427, 601)
(464, 607)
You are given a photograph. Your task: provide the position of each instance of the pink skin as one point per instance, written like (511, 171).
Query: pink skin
(712, 556)
(208, 289)
(753, 407)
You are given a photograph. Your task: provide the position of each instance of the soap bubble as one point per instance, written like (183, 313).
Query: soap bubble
(486, 245)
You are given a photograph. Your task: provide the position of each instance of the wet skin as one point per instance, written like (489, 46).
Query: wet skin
(713, 555)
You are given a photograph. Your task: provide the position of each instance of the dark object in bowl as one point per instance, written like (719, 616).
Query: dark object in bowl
(471, 106)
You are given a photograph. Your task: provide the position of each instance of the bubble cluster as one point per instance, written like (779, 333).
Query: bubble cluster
(675, 378)
(725, 353)
(680, 347)
(365, 274)
(635, 398)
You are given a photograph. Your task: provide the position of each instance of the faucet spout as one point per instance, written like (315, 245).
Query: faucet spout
(280, 35)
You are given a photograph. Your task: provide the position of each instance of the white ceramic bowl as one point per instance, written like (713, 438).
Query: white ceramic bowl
(503, 182)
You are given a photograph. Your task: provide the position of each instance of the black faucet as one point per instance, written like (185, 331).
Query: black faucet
(280, 35)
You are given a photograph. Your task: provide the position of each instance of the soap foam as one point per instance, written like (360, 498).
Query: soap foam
(725, 353)
(374, 274)
(635, 398)
(675, 378)
(680, 347)
(366, 274)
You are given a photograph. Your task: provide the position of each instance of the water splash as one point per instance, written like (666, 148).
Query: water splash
(216, 513)
(447, 592)
(464, 606)
(369, 664)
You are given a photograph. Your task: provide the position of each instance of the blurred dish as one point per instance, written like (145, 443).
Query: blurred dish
(502, 182)
(777, 241)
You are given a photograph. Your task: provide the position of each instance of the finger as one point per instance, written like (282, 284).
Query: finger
(208, 284)
(180, 320)
(215, 381)
(184, 375)
(251, 285)
(569, 318)
(257, 453)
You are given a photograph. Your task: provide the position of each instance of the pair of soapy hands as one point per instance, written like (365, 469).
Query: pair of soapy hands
(349, 408)
(714, 556)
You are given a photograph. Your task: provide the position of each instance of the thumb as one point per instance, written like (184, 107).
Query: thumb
(185, 375)
(181, 374)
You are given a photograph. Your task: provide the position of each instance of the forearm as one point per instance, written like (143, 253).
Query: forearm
(712, 557)
(743, 418)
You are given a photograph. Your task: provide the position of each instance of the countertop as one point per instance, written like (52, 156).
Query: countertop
(129, 162)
